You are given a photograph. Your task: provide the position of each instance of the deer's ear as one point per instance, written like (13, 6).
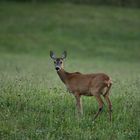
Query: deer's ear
(52, 55)
(64, 55)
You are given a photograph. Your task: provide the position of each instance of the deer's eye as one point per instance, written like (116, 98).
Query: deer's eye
(60, 62)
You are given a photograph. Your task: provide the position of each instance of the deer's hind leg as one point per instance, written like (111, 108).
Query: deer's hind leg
(109, 106)
(106, 96)
(100, 104)
(97, 93)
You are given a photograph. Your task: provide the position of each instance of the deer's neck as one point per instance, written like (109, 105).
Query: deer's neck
(63, 75)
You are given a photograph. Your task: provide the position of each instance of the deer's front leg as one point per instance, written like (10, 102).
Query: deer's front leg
(79, 105)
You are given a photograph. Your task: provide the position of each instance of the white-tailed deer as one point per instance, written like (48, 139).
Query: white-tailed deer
(84, 84)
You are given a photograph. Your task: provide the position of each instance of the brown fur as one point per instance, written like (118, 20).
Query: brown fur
(86, 85)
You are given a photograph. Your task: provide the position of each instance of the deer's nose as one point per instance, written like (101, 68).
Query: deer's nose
(57, 68)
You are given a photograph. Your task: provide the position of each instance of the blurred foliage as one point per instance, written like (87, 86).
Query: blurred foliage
(123, 3)
(89, 31)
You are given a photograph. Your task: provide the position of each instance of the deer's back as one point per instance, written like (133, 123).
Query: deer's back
(84, 83)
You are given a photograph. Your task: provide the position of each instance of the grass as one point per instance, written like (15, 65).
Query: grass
(34, 103)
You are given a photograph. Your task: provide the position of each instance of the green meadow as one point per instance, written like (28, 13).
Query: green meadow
(34, 103)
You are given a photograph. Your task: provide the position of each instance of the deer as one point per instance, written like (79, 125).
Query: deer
(94, 84)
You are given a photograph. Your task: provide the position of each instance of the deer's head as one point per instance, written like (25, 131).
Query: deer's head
(58, 61)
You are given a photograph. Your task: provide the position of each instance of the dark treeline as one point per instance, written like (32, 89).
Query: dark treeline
(123, 3)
